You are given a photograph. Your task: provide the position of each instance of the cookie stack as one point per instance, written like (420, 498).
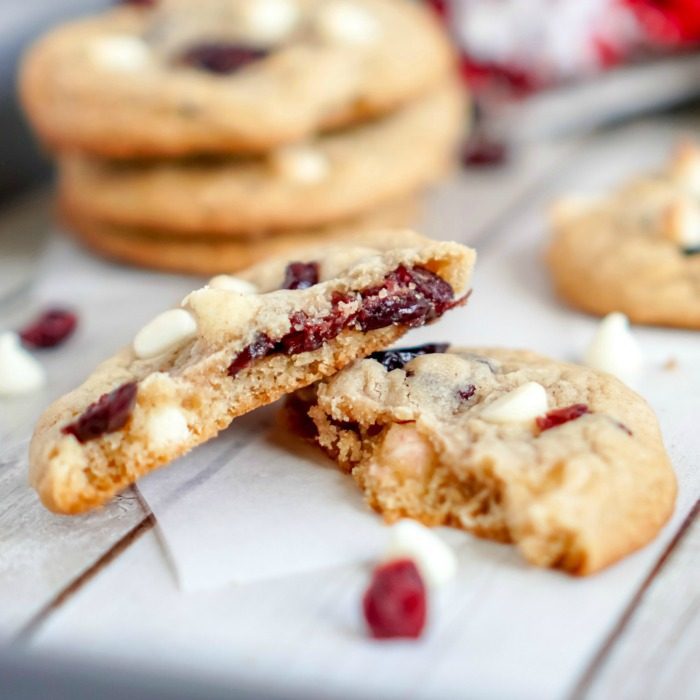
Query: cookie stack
(204, 135)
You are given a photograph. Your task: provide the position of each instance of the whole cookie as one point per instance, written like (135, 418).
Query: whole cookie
(566, 462)
(636, 251)
(232, 346)
(334, 177)
(209, 255)
(173, 77)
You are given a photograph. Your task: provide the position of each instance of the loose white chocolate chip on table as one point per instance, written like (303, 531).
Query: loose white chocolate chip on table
(347, 23)
(301, 164)
(230, 283)
(167, 426)
(119, 52)
(520, 405)
(165, 331)
(269, 21)
(412, 540)
(614, 349)
(20, 373)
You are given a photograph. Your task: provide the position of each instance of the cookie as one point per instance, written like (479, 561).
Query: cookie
(227, 76)
(637, 250)
(335, 177)
(209, 255)
(237, 344)
(565, 462)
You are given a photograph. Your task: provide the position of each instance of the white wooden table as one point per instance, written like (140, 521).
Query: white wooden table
(98, 592)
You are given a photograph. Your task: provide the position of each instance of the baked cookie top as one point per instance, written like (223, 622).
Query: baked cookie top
(172, 77)
(330, 178)
(238, 343)
(566, 462)
(636, 250)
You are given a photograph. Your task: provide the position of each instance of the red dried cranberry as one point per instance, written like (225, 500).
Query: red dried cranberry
(481, 152)
(397, 359)
(559, 416)
(300, 275)
(221, 58)
(407, 297)
(138, 3)
(309, 334)
(259, 348)
(395, 604)
(466, 393)
(109, 413)
(50, 329)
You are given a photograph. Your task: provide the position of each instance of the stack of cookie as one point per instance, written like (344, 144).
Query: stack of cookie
(203, 135)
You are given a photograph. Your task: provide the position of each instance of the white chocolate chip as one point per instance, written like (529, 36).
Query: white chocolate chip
(682, 225)
(230, 283)
(345, 22)
(520, 405)
(166, 331)
(167, 426)
(300, 164)
(20, 373)
(269, 21)
(614, 349)
(120, 52)
(434, 559)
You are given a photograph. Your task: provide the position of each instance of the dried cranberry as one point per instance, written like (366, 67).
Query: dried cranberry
(109, 413)
(309, 334)
(260, 347)
(397, 359)
(50, 329)
(482, 152)
(221, 58)
(559, 416)
(466, 393)
(408, 297)
(395, 604)
(138, 3)
(300, 275)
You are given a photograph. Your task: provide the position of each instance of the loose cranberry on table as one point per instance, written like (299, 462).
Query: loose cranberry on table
(221, 58)
(559, 416)
(106, 415)
(395, 604)
(50, 329)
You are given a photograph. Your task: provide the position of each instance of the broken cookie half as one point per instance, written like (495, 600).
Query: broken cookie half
(566, 462)
(236, 344)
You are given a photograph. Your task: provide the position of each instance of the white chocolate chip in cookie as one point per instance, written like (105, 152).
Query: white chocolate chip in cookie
(20, 373)
(166, 331)
(520, 405)
(300, 164)
(614, 349)
(682, 223)
(269, 21)
(231, 283)
(345, 22)
(435, 560)
(120, 52)
(167, 426)
(685, 168)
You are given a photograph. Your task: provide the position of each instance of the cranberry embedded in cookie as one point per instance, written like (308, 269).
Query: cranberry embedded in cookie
(221, 58)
